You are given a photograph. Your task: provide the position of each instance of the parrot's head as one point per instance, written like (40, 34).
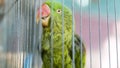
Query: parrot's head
(54, 13)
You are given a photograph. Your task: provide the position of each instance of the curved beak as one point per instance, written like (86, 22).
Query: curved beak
(45, 15)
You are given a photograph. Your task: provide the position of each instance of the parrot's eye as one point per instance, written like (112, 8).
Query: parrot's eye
(59, 11)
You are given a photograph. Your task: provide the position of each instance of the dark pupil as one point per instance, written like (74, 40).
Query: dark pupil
(58, 10)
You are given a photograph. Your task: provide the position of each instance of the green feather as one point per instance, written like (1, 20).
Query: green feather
(57, 39)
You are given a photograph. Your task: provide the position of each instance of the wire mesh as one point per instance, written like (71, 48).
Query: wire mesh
(95, 21)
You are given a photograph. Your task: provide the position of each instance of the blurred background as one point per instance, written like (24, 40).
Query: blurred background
(97, 22)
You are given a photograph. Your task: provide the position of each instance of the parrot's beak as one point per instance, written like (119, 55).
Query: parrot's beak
(45, 15)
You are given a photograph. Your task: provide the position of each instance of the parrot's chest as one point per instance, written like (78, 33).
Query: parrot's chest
(56, 42)
(54, 46)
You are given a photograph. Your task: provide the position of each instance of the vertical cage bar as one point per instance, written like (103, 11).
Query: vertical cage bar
(40, 34)
(21, 34)
(34, 28)
(31, 33)
(37, 58)
(27, 23)
(31, 27)
(12, 40)
(51, 27)
(73, 44)
(15, 22)
(26, 31)
(62, 33)
(90, 34)
(108, 34)
(8, 41)
(25, 15)
(6, 31)
(99, 21)
(81, 47)
(116, 34)
(18, 29)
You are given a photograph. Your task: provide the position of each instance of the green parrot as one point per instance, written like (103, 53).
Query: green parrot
(51, 14)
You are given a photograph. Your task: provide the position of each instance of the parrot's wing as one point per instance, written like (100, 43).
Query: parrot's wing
(80, 55)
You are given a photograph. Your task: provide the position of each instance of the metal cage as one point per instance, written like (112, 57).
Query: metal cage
(96, 21)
